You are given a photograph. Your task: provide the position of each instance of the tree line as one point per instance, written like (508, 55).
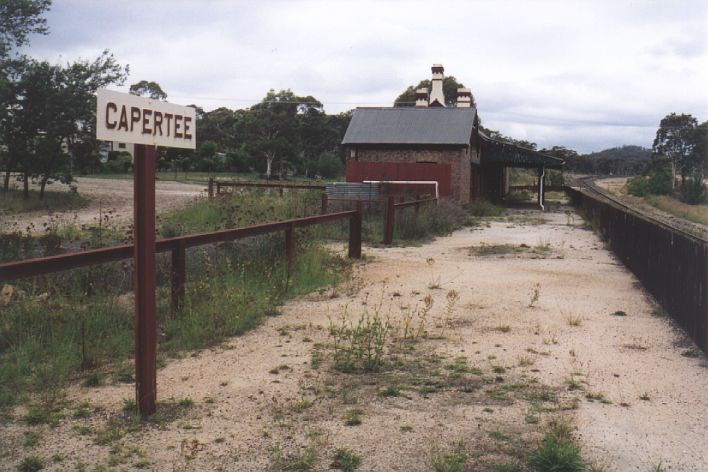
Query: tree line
(283, 134)
(47, 125)
(47, 111)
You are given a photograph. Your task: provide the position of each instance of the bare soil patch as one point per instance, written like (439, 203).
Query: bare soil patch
(525, 341)
(108, 198)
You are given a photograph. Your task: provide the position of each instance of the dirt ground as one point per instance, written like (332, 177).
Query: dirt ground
(112, 197)
(487, 379)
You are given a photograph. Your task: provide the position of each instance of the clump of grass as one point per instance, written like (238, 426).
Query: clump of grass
(406, 428)
(13, 201)
(574, 320)
(31, 439)
(692, 353)
(658, 468)
(30, 464)
(390, 391)
(142, 464)
(574, 384)
(315, 358)
(302, 405)
(82, 430)
(503, 328)
(592, 396)
(300, 461)
(278, 369)
(346, 460)
(525, 361)
(36, 415)
(619, 313)
(454, 460)
(186, 402)
(459, 367)
(535, 295)
(498, 435)
(557, 451)
(125, 374)
(644, 396)
(93, 379)
(353, 417)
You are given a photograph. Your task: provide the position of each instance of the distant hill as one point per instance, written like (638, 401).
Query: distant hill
(627, 152)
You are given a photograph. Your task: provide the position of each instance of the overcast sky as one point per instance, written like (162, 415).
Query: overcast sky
(586, 75)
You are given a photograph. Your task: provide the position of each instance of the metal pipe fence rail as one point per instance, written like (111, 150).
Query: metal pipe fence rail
(214, 187)
(534, 188)
(671, 264)
(178, 245)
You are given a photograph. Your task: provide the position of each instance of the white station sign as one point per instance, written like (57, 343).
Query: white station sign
(126, 118)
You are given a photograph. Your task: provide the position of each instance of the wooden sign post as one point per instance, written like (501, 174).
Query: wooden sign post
(147, 123)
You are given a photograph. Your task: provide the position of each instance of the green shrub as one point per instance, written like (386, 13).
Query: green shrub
(118, 162)
(359, 346)
(329, 165)
(638, 186)
(694, 191)
(658, 183)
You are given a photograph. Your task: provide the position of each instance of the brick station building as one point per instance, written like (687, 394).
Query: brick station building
(434, 142)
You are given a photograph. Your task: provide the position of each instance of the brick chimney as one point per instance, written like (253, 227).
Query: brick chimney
(464, 97)
(421, 97)
(437, 97)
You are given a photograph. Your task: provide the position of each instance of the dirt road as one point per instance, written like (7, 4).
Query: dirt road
(548, 325)
(113, 197)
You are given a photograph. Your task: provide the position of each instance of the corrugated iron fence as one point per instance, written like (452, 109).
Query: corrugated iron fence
(672, 265)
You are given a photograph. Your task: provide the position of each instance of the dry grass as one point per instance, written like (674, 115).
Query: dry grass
(695, 213)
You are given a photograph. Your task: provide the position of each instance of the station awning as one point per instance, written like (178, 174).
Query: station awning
(510, 155)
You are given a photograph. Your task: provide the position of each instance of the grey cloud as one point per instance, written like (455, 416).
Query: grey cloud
(582, 74)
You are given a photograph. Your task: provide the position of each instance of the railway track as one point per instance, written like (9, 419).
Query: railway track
(657, 216)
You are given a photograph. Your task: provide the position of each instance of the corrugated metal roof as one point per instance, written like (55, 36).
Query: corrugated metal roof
(507, 154)
(408, 125)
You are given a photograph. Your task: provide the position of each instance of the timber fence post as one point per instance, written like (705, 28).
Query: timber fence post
(325, 204)
(355, 223)
(390, 220)
(211, 187)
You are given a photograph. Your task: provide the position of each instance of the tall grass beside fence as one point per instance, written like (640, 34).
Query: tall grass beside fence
(78, 325)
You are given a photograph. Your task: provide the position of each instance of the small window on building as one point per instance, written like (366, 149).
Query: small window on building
(121, 145)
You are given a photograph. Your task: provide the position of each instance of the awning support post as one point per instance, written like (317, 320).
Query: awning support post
(541, 178)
